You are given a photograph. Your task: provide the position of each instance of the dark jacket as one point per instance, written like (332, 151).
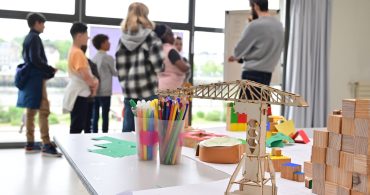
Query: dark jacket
(34, 55)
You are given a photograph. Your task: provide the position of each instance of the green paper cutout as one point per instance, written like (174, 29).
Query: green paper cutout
(116, 149)
(278, 140)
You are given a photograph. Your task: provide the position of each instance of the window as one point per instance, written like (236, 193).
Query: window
(47, 6)
(208, 68)
(212, 13)
(57, 41)
(159, 10)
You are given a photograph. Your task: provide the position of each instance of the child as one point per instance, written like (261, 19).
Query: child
(138, 60)
(176, 68)
(82, 83)
(106, 69)
(33, 96)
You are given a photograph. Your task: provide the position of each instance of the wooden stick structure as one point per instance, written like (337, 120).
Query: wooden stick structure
(251, 98)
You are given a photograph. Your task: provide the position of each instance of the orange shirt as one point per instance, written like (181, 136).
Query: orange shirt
(77, 60)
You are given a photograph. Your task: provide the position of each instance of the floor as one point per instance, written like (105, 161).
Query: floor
(33, 174)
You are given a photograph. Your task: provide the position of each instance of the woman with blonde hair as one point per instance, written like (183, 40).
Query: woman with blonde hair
(139, 59)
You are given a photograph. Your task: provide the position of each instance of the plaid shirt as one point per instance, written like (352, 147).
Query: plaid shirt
(137, 69)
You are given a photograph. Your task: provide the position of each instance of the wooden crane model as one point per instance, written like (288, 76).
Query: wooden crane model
(251, 98)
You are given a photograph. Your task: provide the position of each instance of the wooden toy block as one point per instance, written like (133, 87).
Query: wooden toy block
(275, 119)
(318, 187)
(286, 127)
(238, 127)
(343, 190)
(362, 109)
(361, 164)
(335, 123)
(332, 157)
(337, 112)
(361, 146)
(308, 182)
(345, 178)
(233, 116)
(242, 126)
(348, 143)
(242, 118)
(360, 183)
(268, 134)
(318, 155)
(331, 188)
(354, 192)
(277, 162)
(348, 108)
(320, 138)
(332, 174)
(348, 126)
(335, 141)
(362, 127)
(298, 176)
(307, 168)
(288, 169)
(276, 152)
(301, 137)
(318, 172)
(346, 161)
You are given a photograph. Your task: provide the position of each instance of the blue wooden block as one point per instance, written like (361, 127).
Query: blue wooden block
(291, 165)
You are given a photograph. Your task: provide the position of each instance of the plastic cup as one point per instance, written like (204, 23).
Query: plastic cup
(170, 141)
(147, 138)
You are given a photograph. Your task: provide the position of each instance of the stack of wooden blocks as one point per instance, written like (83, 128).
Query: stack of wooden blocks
(235, 121)
(292, 171)
(341, 155)
(277, 159)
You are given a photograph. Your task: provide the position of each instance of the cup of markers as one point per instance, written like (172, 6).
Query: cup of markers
(170, 128)
(146, 127)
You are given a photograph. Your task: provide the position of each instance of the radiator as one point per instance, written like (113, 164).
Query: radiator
(361, 89)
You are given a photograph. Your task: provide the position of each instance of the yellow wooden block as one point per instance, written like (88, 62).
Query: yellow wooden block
(238, 127)
(275, 119)
(268, 134)
(279, 157)
(287, 127)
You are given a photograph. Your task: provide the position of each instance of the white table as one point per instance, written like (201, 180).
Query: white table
(129, 176)
(106, 175)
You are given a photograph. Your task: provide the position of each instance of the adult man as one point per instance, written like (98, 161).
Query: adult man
(33, 95)
(260, 45)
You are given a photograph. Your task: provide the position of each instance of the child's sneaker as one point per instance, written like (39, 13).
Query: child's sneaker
(50, 150)
(32, 147)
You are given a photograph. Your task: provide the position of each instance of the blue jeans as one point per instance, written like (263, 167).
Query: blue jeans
(128, 119)
(104, 103)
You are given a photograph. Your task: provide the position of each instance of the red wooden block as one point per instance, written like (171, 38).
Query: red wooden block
(301, 137)
(242, 118)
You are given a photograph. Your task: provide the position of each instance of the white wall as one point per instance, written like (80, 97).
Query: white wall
(349, 51)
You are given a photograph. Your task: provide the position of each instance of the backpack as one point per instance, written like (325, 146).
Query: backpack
(22, 75)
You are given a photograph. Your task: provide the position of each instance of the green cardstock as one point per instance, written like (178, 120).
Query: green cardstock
(116, 149)
(278, 140)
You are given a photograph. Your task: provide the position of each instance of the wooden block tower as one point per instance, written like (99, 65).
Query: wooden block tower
(345, 169)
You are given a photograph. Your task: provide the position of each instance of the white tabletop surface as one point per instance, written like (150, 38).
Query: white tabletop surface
(129, 176)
